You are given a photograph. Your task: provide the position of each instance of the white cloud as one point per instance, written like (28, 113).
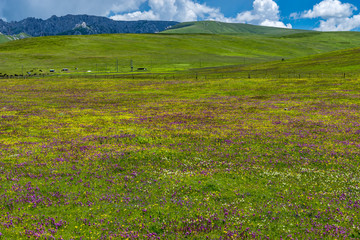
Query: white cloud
(339, 24)
(330, 9)
(335, 15)
(278, 24)
(174, 10)
(264, 13)
(134, 16)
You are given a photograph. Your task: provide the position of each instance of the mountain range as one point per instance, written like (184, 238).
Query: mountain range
(80, 25)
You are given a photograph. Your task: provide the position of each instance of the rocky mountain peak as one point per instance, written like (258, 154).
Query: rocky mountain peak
(80, 24)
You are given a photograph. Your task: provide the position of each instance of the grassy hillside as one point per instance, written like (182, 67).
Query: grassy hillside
(162, 52)
(179, 158)
(5, 38)
(342, 61)
(211, 157)
(212, 27)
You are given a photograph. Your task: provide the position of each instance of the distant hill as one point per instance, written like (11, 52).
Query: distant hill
(171, 52)
(7, 38)
(80, 25)
(212, 27)
(341, 61)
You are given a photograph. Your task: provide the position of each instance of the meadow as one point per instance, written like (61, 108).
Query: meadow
(173, 159)
(247, 151)
(163, 52)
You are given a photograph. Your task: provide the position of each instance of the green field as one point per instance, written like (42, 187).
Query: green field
(5, 38)
(162, 52)
(204, 145)
(342, 61)
(212, 27)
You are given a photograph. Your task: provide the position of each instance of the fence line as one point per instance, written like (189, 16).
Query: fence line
(192, 75)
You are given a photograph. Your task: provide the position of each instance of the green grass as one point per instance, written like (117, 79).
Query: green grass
(162, 52)
(216, 155)
(180, 158)
(342, 61)
(5, 38)
(212, 27)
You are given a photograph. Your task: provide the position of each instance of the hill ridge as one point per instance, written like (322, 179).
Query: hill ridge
(215, 27)
(166, 52)
(66, 25)
(6, 38)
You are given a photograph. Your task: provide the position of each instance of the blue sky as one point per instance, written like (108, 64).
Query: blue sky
(323, 15)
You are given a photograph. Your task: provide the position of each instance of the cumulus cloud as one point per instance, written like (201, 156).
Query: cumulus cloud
(330, 9)
(175, 10)
(339, 24)
(334, 15)
(133, 16)
(265, 13)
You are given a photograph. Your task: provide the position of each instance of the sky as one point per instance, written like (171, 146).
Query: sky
(323, 15)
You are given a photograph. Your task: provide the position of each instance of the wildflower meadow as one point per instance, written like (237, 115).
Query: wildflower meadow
(180, 158)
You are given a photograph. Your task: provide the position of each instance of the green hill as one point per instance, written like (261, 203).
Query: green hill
(212, 27)
(341, 61)
(163, 52)
(7, 38)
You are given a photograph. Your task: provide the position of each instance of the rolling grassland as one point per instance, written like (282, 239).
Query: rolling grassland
(162, 52)
(240, 151)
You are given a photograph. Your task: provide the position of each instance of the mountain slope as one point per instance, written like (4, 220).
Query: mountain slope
(341, 61)
(80, 25)
(7, 38)
(164, 52)
(212, 27)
